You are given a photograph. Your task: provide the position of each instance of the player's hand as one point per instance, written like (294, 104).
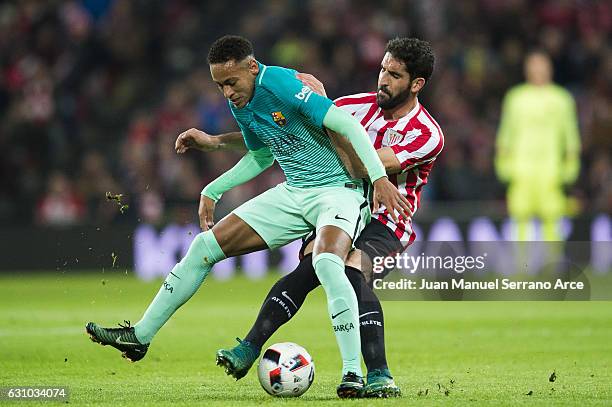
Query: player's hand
(312, 82)
(194, 138)
(385, 193)
(205, 212)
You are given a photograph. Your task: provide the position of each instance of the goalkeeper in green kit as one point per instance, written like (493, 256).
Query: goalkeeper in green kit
(283, 120)
(538, 148)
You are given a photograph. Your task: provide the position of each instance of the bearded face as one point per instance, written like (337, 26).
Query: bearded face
(387, 100)
(393, 83)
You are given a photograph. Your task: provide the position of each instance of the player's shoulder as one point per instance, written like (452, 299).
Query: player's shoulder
(274, 77)
(516, 95)
(518, 90)
(283, 84)
(562, 92)
(426, 122)
(366, 98)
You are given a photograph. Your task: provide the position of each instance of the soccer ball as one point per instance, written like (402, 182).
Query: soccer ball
(286, 370)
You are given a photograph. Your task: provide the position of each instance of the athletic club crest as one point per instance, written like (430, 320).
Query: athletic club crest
(279, 118)
(392, 137)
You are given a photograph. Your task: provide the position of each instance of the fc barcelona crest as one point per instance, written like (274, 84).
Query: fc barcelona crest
(279, 118)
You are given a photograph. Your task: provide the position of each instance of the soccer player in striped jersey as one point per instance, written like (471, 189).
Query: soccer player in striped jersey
(280, 120)
(407, 140)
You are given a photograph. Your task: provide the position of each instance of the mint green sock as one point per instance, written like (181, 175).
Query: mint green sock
(180, 284)
(343, 309)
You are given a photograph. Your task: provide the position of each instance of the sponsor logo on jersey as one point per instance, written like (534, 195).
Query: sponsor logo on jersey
(284, 146)
(279, 118)
(304, 94)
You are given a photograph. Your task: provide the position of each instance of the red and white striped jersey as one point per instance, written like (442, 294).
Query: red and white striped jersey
(416, 139)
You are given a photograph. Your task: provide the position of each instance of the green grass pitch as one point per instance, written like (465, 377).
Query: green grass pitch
(452, 353)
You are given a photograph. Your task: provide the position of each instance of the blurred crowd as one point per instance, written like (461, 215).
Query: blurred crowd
(94, 92)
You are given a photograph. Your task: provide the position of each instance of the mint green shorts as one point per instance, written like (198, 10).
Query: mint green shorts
(284, 213)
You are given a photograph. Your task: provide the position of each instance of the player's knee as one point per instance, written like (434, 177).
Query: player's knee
(331, 239)
(203, 252)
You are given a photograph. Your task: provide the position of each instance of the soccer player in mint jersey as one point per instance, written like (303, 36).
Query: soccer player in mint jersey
(407, 140)
(283, 120)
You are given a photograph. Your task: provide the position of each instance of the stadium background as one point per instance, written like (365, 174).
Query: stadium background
(99, 89)
(92, 96)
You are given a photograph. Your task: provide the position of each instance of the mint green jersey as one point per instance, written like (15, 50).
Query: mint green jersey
(287, 117)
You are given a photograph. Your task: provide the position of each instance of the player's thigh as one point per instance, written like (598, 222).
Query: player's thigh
(236, 237)
(275, 216)
(343, 208)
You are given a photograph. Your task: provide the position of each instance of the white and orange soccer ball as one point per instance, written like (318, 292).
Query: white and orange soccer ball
(286, 370)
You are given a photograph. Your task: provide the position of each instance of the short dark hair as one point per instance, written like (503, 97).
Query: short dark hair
(228, 48)
(416, 54)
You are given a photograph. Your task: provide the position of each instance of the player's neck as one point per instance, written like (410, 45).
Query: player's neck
(401, 110)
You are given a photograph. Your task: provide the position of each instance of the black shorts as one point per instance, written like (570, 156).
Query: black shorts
(376, 240)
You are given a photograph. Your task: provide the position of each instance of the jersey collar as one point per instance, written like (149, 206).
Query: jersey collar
(260, 75)
(258, 79)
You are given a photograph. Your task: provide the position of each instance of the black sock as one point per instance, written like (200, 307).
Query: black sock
(283, 301)
(371, 322)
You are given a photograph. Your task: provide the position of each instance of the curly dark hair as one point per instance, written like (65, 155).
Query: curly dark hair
(416, 54)
(228, 48)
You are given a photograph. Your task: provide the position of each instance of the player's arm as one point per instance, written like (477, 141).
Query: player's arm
(385, 192)
(200, 140)
(357, 170)
(571, 141)
(389, 160)
(396, 158)
(353, 164)
(341, 122)
(503, 142)
(312, 82)
(251, 165)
